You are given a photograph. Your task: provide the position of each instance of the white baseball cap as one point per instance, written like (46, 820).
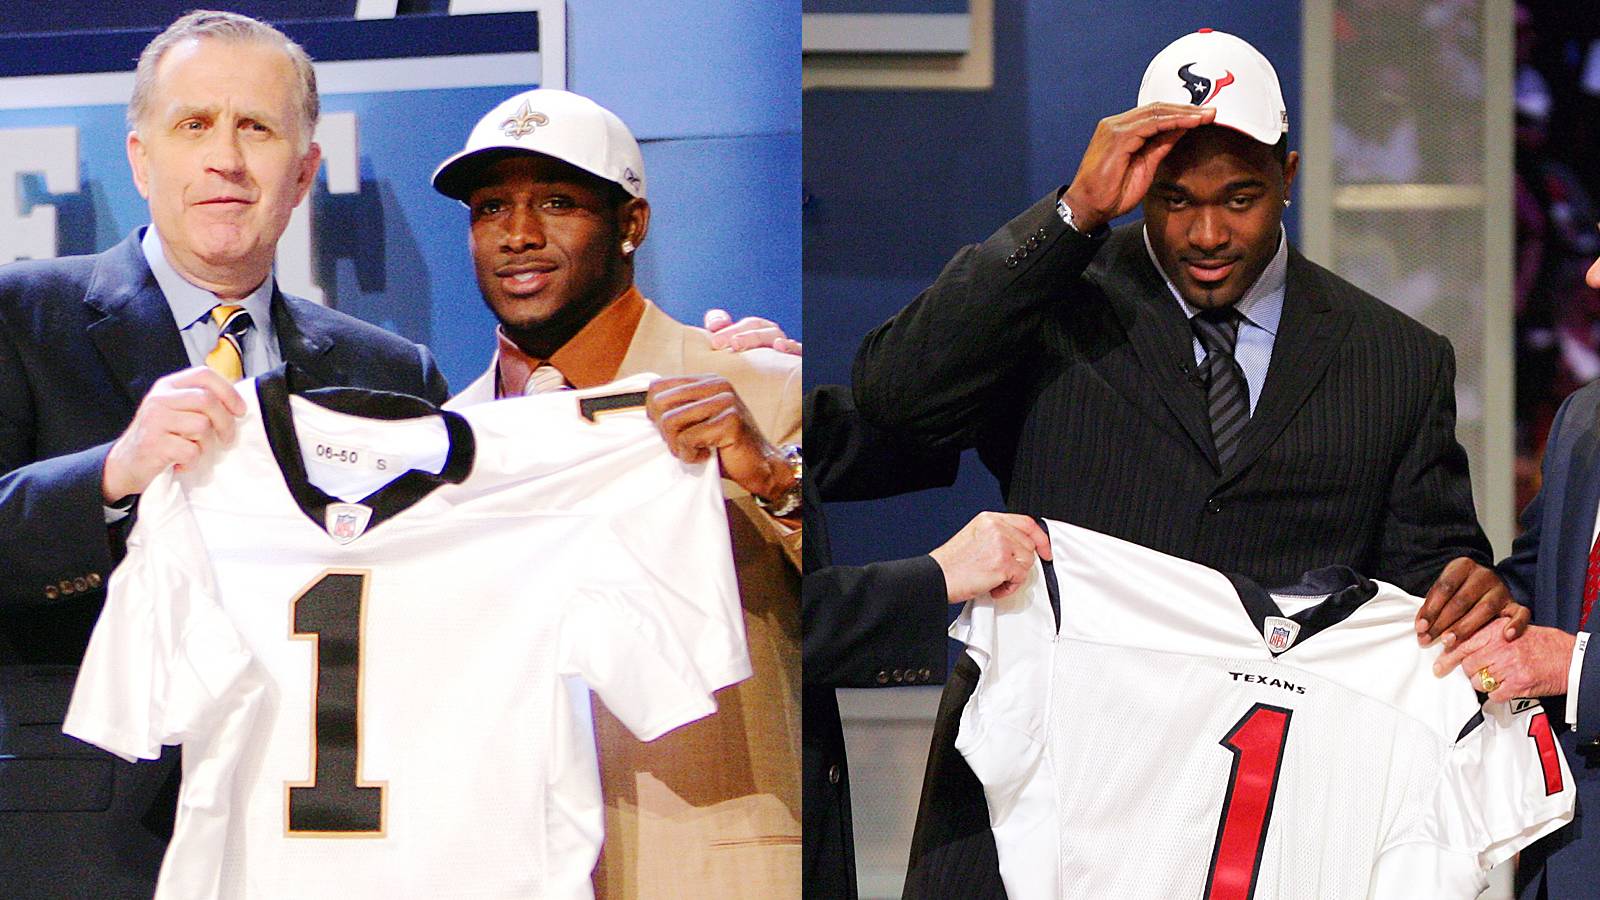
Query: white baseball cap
(1211, 68)
(558, 124)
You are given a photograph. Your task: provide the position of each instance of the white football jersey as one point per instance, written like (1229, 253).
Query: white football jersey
(1146, 727)
(367, 672)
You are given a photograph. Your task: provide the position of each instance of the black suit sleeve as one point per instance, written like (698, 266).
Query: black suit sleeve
(1430, 518)
(858, 621)
(940, 364)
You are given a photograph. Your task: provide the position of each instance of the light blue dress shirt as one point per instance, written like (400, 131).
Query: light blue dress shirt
(191, 310)
(1261, 308)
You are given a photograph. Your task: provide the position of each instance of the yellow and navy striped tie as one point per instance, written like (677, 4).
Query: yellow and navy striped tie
(227, 358)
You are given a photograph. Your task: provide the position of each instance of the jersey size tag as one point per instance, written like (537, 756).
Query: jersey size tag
(1279, 633)
(347, 521)
(350, 457)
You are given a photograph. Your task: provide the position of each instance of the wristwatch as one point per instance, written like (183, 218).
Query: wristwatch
(1065, 212)
(790, 501)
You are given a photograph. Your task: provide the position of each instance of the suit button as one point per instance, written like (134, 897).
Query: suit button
(94, 579)
(899, 676)
(1011, 262)
(1022, 253)
(80, 584)
(883, 677)
(1033, 243)
(925, 675)
(50, 592)
(65, 587)
(1212, 506)
(833, 774)
(1041, 234)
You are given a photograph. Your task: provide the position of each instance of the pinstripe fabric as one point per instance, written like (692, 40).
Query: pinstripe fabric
(1072, 372)
(1227, 400)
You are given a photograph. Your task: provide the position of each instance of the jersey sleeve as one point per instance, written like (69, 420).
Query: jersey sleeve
(677, 545)
(164, 661)
(1002, 732)
(633, 660)
(1505, 784)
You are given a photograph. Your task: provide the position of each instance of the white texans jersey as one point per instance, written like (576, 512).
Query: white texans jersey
(359, 621)
(1146, 727)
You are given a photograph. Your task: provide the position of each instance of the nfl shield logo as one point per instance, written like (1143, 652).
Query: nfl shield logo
(1280, 633)
(347, 521)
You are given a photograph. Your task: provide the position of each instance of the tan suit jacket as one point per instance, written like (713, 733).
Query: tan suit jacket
(712, 809)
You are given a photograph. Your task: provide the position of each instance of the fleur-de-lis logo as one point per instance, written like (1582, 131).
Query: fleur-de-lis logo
(524, 122)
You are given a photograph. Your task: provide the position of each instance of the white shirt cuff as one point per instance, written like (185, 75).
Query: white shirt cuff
(1574, 675)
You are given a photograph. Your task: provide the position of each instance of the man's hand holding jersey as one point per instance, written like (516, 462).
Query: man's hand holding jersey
(700, 415)
(992, 554)
(1468, 597)
(1533, 665)
(180, 419)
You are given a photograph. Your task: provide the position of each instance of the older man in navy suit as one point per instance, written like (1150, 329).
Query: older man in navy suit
(1554, 567)
(115, 366)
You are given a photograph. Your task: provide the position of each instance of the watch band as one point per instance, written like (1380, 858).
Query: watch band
(791, 499)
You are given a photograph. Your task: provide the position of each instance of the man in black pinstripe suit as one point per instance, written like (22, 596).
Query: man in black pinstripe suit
(1064, 351)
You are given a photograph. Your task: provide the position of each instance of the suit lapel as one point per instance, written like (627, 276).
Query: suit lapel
(302, 342)
(657, 345)
(1577, 524)
(1159, 333)
(135, 333)
(1308, 337)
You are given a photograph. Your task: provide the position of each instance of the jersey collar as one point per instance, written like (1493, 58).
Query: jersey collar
(397, 496)
(1346, 591)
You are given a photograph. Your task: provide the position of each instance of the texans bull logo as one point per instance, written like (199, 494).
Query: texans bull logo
(1200, 87)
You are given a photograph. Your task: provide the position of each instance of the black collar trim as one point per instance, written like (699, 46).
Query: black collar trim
(1345, 589)
(399, 495)
(1050, 584)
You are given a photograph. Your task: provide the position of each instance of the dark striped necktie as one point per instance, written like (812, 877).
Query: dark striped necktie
(1227, 395)
(227, 357)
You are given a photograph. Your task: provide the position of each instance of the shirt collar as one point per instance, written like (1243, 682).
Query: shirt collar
(1262, 303)
(592, 357)
(189, 302)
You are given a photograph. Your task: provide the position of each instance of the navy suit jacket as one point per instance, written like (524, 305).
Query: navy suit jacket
(81, 341)
(1546, 571)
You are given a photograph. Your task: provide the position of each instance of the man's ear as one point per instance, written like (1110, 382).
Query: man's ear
(633, 221)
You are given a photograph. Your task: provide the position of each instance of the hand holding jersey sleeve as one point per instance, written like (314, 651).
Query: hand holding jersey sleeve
(1203, 722)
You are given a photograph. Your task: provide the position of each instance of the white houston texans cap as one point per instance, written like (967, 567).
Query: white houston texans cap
(558, 124)
(1211, 68)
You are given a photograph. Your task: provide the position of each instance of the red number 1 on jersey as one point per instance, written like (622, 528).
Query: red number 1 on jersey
(1257, 742)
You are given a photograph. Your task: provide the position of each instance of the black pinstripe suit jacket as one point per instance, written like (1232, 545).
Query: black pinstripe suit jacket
(1067, 362)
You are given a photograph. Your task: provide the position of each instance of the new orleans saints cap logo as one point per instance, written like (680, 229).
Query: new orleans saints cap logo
(524, 122)
(1200, 87)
